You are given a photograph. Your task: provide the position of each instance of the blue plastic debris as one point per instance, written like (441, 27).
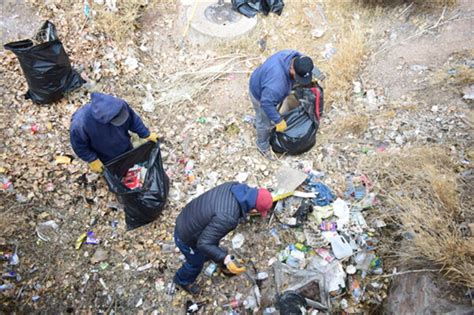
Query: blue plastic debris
(324, 194)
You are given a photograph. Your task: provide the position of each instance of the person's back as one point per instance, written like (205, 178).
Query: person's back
(274, 74)
(218, 202)
(206, 220)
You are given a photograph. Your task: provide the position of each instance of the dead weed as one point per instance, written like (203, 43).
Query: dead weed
(349, 124)
(422, 184)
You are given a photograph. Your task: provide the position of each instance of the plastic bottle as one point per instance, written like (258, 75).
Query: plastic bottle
(210, 269)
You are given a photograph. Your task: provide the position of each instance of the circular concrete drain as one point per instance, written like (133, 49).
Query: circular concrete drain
(217, 19)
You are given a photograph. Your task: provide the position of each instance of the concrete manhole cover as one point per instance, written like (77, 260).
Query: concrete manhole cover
(217, 19)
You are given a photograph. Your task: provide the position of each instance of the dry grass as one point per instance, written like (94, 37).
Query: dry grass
(349, 124)
(120, 25)
(421, 3)
(421, 184)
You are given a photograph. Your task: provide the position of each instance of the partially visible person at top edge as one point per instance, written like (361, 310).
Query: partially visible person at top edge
(270, 84)
(100, 129)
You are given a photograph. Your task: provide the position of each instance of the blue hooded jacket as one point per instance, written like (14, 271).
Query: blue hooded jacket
(94, 137)
(211, 216)
(270, 83)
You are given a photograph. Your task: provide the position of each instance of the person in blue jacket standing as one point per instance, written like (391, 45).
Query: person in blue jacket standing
(206, 220)
(270, 84)
(99, 130)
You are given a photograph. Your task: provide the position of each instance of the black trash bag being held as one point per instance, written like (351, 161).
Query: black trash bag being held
(302, 122)
(45, 65)
(142, 205)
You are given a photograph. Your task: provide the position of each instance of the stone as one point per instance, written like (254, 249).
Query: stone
(99, 255)
(418, 293)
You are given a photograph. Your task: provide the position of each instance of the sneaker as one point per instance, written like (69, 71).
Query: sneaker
(268, 154)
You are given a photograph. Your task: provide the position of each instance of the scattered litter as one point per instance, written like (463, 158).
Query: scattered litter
(144, 267)
(238, 241)
(148, 104)
(135, 177)
(139, 303)
(418, 68)
(90, 239)
(63, 159)
(6, 184)
(242, 177)
(131, 63)
(47, 231)
(341, 210)
(210, 269)
(329, 51)
(100, 255)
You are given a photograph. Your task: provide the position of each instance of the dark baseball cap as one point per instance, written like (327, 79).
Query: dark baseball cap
(121, 117)
(303, 66)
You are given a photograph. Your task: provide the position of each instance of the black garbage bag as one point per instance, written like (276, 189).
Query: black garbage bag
(302, 122)
(142, 205)
(291, 303)
(250, 8)
(45, 65)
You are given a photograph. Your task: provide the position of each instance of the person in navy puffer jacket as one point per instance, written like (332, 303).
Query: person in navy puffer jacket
(206, 220)
(270, 84)
(99, 130)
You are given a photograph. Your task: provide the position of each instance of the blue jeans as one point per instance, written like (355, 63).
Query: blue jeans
(193, 265)
(263, 125)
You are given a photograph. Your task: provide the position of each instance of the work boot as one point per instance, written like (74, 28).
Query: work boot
(268, 154)
(192, 288)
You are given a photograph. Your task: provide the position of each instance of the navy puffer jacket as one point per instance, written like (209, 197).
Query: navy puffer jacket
(207, 219)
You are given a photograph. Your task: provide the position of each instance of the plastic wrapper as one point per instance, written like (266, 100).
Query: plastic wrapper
(302, 122)
(45, 65)
(310, 284)
(142, 205)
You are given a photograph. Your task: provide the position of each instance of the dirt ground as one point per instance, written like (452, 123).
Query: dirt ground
(414, 66)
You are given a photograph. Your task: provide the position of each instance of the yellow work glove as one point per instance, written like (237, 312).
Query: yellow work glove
(232, 266)
(281, 126)
(152, 137)
(96, 166)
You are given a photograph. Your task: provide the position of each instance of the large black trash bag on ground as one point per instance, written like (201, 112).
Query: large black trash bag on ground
(250, 8)
(46, 66)
(142, 205)
(302, 122)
